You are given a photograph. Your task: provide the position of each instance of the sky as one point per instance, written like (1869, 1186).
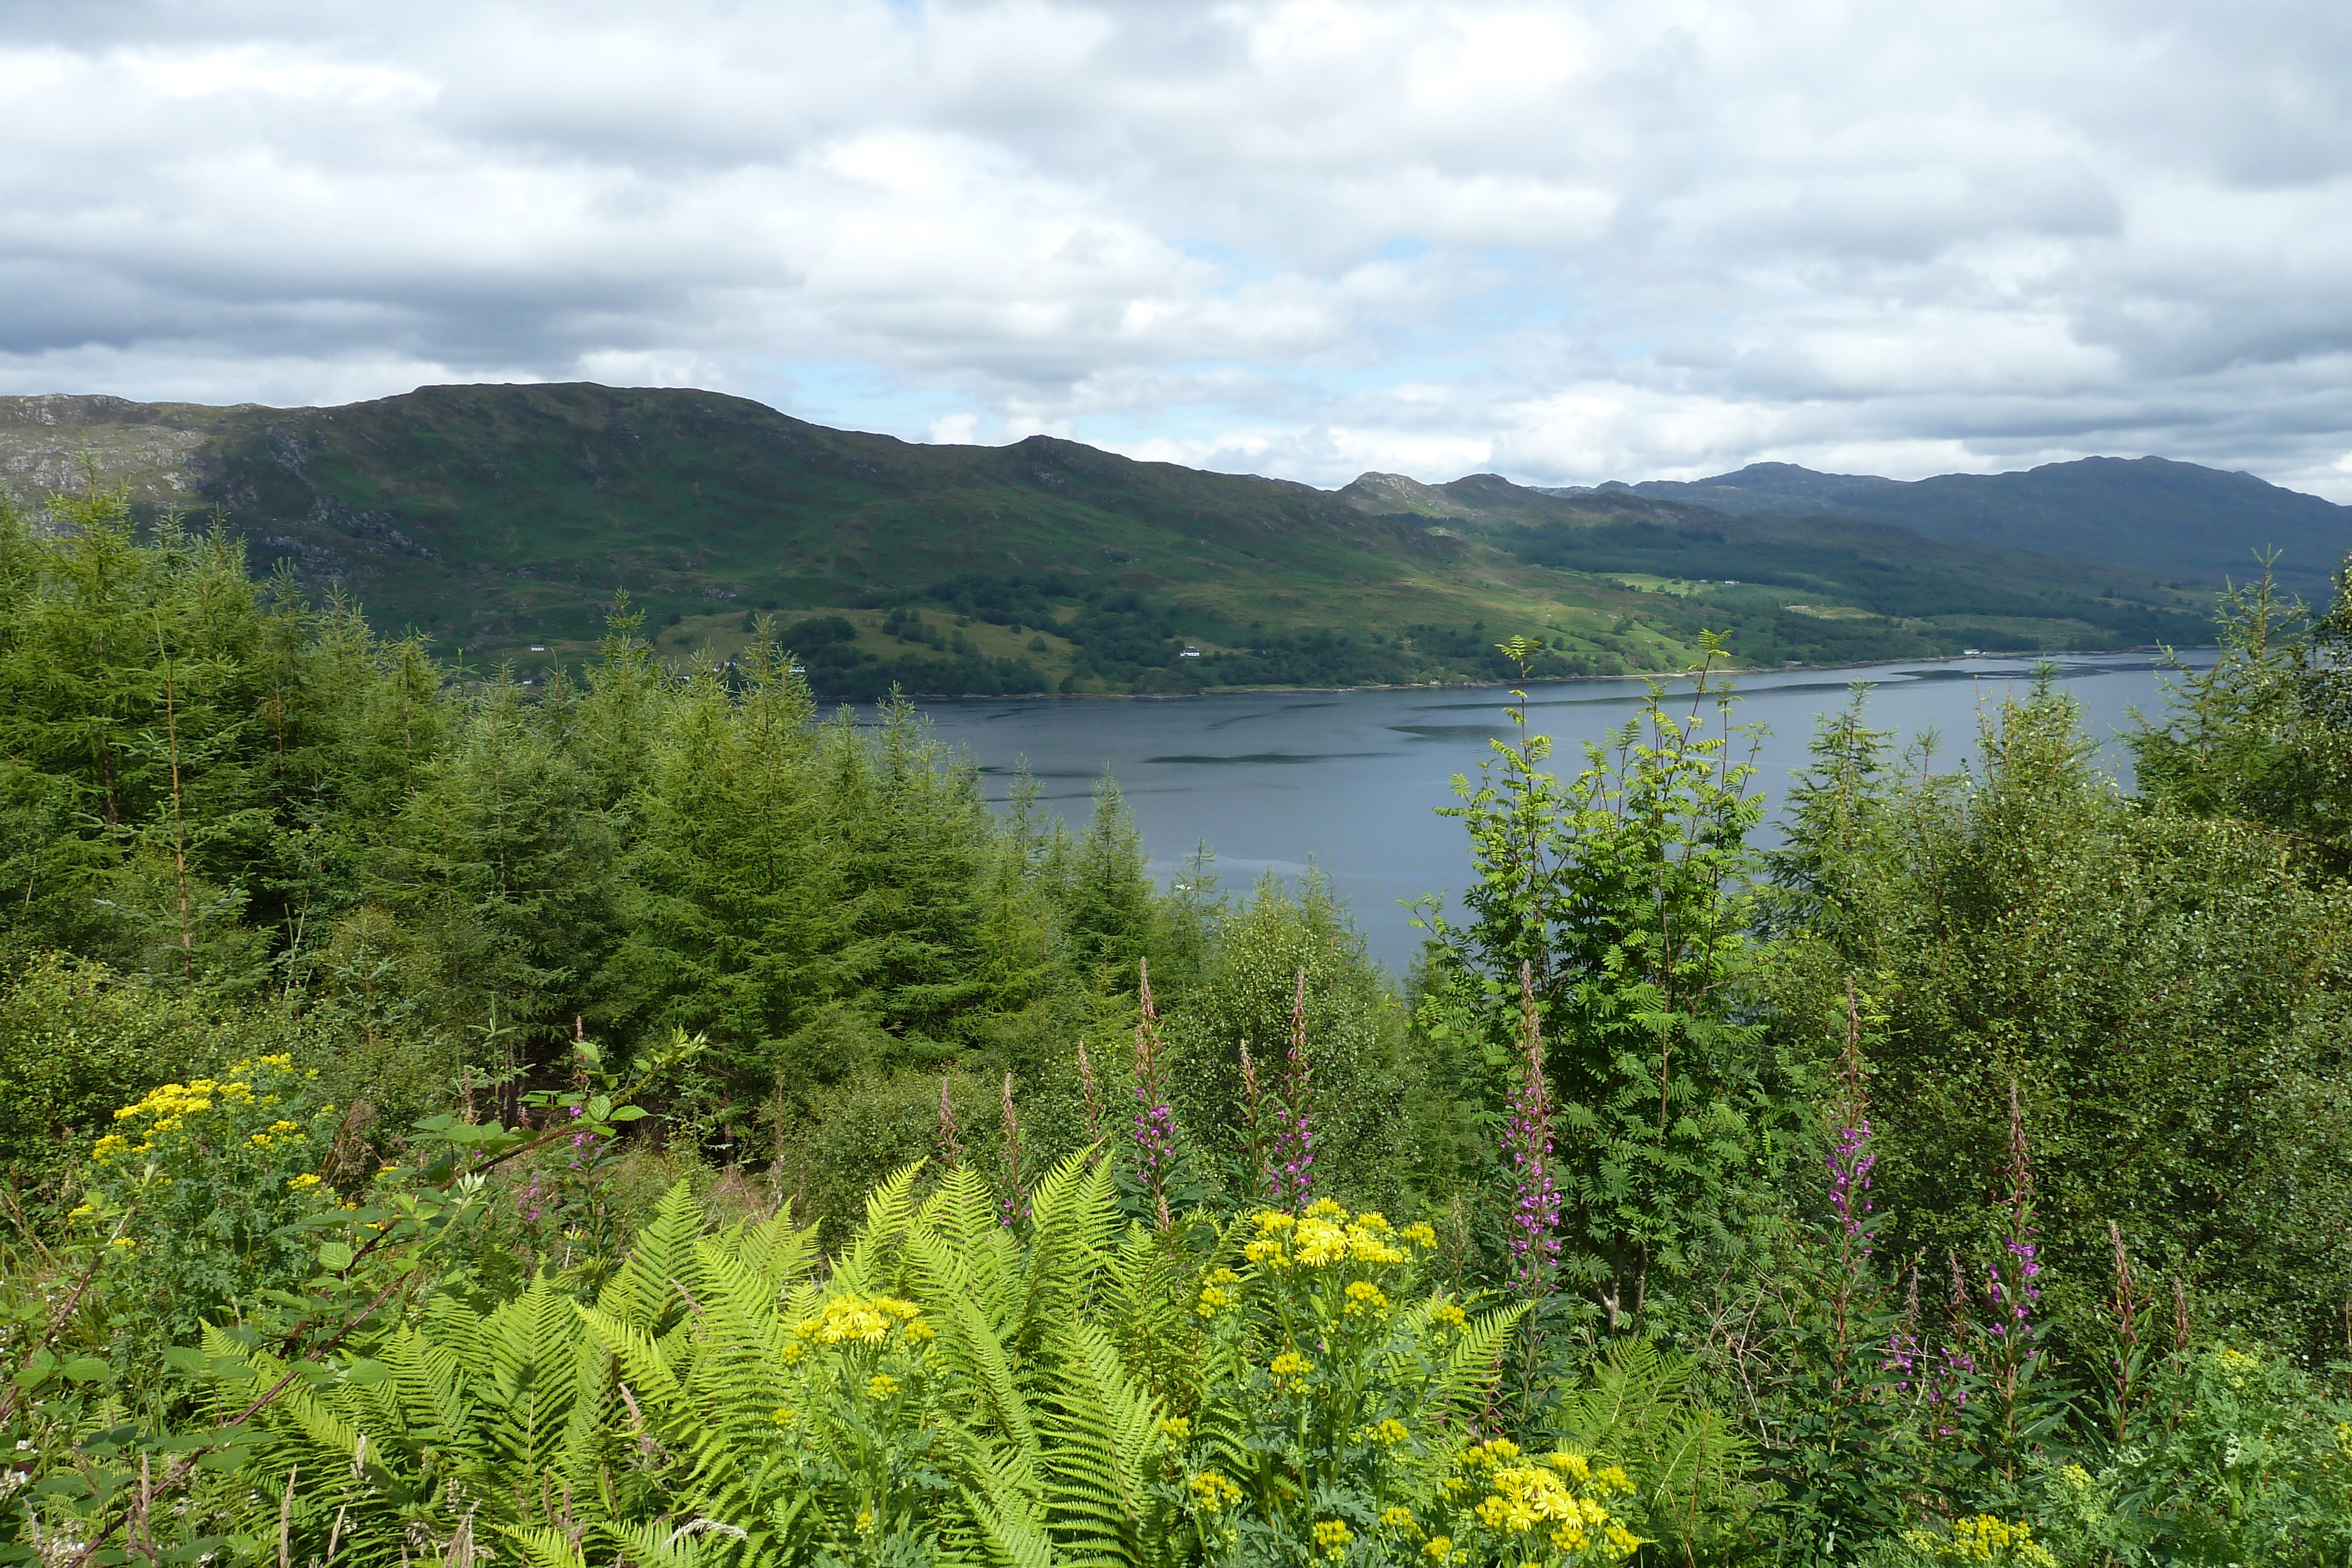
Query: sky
(1563, 242)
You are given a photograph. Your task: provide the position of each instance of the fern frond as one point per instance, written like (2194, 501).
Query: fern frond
(1098, 1457)
(1472, 1368)
(862, 1265)
(1010, 1540)
(641, 1291)
(538, 1547)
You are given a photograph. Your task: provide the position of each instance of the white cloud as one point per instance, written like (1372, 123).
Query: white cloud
(1303, 237)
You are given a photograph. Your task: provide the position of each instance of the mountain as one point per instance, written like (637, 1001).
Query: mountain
(505, 522)
(1812, 580)
(2181, 521)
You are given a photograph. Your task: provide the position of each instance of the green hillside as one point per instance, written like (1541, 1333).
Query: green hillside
(505, 521)
(1799, 588)
(2178, 520)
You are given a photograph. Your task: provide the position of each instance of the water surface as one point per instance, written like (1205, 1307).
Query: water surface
(1349, 781)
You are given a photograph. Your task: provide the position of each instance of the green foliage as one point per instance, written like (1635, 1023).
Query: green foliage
(2165, 993)
(1620, 893)
(2265, 733)
(204, 1186)
(78, 1041)
(1691, 1467)
(878, 1272)
(2249, 1461)
(1362, 1079)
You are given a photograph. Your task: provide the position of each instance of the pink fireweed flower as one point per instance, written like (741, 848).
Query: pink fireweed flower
(1155, 1120)
(1293, 1173)
(1015, 1206)
(1851, 1158)
(950, 1151)
(1534, 1225)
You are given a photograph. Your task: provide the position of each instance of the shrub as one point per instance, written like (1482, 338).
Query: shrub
(208, 1182)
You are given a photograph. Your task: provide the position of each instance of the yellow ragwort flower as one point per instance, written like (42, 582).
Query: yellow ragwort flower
(881, 1385)
(1321, 1243)
(1333, 1535)
(1213, 1491)
(851, 1319)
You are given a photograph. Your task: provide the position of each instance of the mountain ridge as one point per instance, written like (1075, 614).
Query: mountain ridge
(2178, 519)
(504, 522)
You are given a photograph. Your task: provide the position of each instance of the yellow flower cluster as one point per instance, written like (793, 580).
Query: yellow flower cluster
(1363, 1296)
(167, 1109)
(1522, 1497)
(851, 1319)
(1332, 1536)
(1420, 1235)
(1290, 1368)
(276, 1130)
(1396, 1516)
(881, 1385)
(1266, 1251)
(1325, 1235)
(1214, 1297)
(1322, 1242)
(1983, 1539)
(1440, 1549)
(1176, 1429)
(1388, 1433)
(1214, 1491)
(1450, 1315)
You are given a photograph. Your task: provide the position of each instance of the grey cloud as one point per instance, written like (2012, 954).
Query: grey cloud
(1606, 239)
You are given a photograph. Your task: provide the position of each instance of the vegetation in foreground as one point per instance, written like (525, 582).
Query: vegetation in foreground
(642, 1122)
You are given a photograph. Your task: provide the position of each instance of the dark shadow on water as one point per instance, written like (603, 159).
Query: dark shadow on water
(1275, 757)
(1267, 712)
(1454, 731)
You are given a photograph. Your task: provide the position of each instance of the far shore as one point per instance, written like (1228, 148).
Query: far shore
(2153, 651)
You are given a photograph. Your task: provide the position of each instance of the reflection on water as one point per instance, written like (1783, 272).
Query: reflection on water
(1350, 781)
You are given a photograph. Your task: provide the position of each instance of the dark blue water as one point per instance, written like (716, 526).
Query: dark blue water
(1349, 781)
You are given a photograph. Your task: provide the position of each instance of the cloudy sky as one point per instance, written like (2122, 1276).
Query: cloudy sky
(1566, 242)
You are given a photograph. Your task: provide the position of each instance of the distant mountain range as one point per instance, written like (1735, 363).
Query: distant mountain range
(503, 522)
(2198, 526)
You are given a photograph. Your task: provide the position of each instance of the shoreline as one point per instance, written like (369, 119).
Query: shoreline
(2153, 650)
